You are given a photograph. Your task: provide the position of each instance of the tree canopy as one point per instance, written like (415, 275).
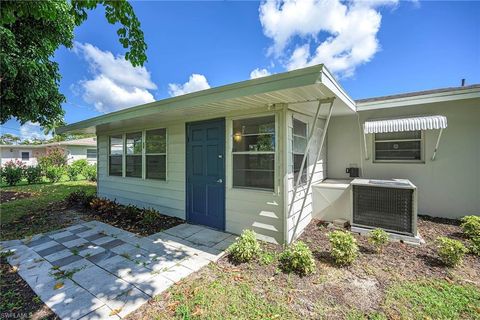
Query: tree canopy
(30, 32)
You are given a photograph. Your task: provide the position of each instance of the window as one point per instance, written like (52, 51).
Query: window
(25, 156)
(116, 155)
(91, 154)
(398, 146)
(133, 158)
(254, 153)
(156, 154)
(299, 146)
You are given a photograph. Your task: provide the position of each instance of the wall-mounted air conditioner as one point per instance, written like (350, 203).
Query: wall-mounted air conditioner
(387, 204)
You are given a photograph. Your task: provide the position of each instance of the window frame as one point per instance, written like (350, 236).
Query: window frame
(274, 152)
(21, 155)
(305, 168)
(96, 154)
(133, 154)
(143, 154)
(422, 149)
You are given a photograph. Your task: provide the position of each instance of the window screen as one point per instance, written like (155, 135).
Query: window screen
(116, 155)
(156, 154)
(299, 146)
(398, 146)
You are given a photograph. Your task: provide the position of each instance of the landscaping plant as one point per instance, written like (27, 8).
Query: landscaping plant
(103, 205)
(450, 251)
(90, 172)
(297, 258)
(131, 212)
(76, 197)
(54, 157)
(12, 172)
(33, 174)
(378, 238)
(245, 248)
(474, 246)
(77, 167)
(54, 173)
(344, 249)
(471, 226)
(150, 216)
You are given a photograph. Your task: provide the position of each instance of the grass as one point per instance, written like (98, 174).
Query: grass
(220, 298)
(43, 195)
(432, 299)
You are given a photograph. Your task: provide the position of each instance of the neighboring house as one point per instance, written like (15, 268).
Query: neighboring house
(85, 148)
(230, 157)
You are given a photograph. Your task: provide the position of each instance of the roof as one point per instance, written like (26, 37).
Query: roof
(87, 142)
(419, 97)
(307, 84)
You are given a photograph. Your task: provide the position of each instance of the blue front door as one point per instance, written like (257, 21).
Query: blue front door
(206, 173)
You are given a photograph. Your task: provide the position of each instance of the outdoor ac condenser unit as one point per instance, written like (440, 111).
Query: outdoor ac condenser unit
(386, 204)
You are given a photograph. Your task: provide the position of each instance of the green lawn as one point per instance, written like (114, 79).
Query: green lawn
(44, 195)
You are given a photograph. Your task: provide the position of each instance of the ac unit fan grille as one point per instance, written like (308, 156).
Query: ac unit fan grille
(387, 208)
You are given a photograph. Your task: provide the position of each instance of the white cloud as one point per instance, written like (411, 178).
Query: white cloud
(31, 130)
(257, 73)
(196, 82)
(351, 28)
(116, 84)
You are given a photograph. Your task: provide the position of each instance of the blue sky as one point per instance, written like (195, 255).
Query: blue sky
(374, 49)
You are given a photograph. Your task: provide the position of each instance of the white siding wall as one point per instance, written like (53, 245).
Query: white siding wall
(447, 187)
(261, 211)
(16, 154)
(300, 215)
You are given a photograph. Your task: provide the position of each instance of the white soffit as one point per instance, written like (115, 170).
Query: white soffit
(405, 124)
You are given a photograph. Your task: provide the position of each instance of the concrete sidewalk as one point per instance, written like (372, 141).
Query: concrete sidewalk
(92, 270)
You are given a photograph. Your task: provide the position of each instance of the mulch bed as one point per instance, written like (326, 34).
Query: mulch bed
(6, 196)
(18, 301)
(134, 224)
(333, 291)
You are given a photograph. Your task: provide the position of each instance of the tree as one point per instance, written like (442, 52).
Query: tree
(9, 139)
(30, 32)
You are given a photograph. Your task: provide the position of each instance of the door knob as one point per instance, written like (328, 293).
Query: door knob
(220, 180)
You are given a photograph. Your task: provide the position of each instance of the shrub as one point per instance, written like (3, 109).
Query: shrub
(297, 258)
(131, 212)
(378, 238)
(77, 167)
(103, 205)
(450, 251)
(344, 247)
(150, 216)
(88, 200)
(33, 174)
(90, 172)
(471, 226)
(54, 173)
(76, 197)
(54, 157)
(245, 248)
(474, 246)
(12, 172)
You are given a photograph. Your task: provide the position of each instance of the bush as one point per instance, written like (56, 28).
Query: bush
(474, 246)
(90, 172)
(150, 216)
(378, 238)
(76, 197)
(131, 212)
(54, 173)
(77, 167)
(88, 200)
(103, 205)
(54, 157)
(33, 174)
(297, 258)
(12, 172)
(245, 248)
(450, 251)
(344, 247)
(471, 226)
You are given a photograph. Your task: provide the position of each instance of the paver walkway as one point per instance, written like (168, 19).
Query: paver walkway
(92, 270)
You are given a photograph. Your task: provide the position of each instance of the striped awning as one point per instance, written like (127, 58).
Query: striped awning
(405, 124)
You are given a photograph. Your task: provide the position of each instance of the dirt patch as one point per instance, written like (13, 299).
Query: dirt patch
(18, 301)
(335, 292)
(6, 196)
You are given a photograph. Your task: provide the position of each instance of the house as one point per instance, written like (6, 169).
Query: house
(246, 155)
(85, 148)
